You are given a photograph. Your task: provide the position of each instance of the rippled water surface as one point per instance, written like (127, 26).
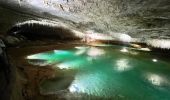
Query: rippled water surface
(110, 72)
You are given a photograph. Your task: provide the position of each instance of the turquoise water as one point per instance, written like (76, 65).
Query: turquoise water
(108, 72)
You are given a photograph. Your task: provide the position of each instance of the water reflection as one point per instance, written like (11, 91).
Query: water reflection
(123, 65)
(124, 49)
(154, 60)
(71, 64)
(52, 57)
(94, 52)
(89, 83)
(157, 80)
(108, 73)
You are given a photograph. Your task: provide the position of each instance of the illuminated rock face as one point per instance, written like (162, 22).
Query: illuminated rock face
(138, 18)
(34, 30)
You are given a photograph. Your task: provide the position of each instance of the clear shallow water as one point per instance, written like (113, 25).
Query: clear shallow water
(107, 72)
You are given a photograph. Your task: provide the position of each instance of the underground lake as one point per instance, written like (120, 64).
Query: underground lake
(85, 50)
(83, 72)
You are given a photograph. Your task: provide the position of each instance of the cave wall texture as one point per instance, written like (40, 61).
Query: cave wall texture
(138, 18)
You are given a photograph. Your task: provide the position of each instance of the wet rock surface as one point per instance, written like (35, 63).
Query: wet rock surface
(29, 78)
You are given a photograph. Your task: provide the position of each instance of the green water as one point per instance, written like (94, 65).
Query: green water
(110, 72)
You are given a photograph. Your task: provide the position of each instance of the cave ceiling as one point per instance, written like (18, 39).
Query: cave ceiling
(138, 18)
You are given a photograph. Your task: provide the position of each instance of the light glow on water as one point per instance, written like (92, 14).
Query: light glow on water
(124, 50)
(81, 50)
(71, 64)
(94, 52)
(157, 80)
(81, 47)
(154, 60)
(144, 49)
(84, 83)
(52, 57)
(123, 65)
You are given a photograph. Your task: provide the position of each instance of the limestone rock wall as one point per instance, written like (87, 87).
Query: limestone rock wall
(138, 18)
